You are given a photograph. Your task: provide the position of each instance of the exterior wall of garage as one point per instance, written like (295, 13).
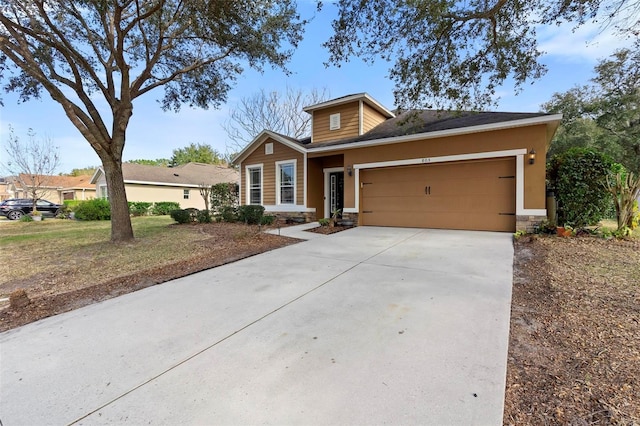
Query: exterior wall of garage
(268, 161)
(522, 138)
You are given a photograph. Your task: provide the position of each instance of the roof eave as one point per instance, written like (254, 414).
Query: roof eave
(264, 135)
(552, 122)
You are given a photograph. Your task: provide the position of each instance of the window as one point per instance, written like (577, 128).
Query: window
(286, 182)
(185, 194)
(254, 185)
(103, 191)
(268, 148)
(334, 121)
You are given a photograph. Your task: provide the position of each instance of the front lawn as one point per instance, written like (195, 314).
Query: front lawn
(76, 261)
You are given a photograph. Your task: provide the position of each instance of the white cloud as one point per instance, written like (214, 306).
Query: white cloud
(587, 43)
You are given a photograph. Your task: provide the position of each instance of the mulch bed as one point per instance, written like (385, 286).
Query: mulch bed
(574, 351)
(326, 230)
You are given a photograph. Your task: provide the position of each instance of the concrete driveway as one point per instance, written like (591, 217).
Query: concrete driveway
(367, 326)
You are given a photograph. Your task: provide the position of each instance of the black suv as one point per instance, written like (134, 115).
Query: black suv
(15, 208)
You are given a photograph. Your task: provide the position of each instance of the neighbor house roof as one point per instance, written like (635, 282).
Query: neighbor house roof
(54, 182)
(190, 174)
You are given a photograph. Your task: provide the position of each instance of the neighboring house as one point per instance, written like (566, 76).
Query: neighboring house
(431, 169)
(6, 187)
(54, 188)
(155, 183)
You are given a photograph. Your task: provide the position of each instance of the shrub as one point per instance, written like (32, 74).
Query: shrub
(71, 204)
(223, 195)
(96, 209)
(250, 214)
(323, 221)
(180, 216)
(204, 216)
(193, 213)
(228, 214)
(579, 178)
(267, 220)
(164, 207)
(26, 218)
(139, 208)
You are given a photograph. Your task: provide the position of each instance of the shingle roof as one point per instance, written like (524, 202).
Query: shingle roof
(186, 174)
(427, 121)
(58, 182)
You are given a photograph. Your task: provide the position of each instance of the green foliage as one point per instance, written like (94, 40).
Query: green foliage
(162, 162)
(223, 195)
(204, 216)
(323, 221)
(250, 214)
(85, 171)
(519, 234)
(181, 216)
(72, 204)
(139, 208)
(579, 179)
(26, 218)
(200, 153)
(267, 220)
(228, 214)
(605, 114)
(545, 227)
(97, 209)
(451, 53)
(164, 207)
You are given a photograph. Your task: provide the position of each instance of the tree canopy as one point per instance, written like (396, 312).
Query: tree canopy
(93, 52)
(196, 153)
(455, 54)
(606, 113)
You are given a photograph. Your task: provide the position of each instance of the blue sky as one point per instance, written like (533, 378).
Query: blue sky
(153, 133)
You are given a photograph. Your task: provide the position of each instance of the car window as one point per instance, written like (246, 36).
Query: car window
(43, 203)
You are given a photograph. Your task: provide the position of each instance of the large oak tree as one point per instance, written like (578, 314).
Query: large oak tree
(457, 53)
(85, 52)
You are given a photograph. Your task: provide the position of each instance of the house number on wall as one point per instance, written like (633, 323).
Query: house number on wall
(426, 160)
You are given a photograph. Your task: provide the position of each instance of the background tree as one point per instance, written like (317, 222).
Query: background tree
(455, 54)
(275, 111)
(34, 161)
(196, 153)
(162, 162)
(604, 115)
(85, 171)
(117, 51)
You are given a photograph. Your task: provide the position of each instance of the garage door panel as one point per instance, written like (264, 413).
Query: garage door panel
(467, 195)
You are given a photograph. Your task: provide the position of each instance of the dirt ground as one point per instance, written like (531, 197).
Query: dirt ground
(574, 351)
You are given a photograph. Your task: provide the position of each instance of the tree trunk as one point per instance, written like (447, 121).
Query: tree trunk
(121, 229)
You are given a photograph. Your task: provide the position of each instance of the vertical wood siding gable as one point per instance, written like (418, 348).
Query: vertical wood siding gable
(280, 153)
(349, 122)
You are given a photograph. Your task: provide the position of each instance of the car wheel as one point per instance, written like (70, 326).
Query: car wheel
(57, 213)
(15, 215)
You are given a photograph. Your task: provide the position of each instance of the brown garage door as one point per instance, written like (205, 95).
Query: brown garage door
(476, 195)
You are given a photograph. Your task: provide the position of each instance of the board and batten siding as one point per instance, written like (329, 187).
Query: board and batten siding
(280, 153)
(349, 123)
(370, 118)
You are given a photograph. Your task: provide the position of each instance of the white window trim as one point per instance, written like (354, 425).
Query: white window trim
(103, 190)
(247, 188)
(186, 194)
(334, 121)
(519, 155)
(326, 186)
(295, 181)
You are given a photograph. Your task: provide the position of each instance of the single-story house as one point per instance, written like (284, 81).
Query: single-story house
(431, 169)
(54, 188)
(156, 183)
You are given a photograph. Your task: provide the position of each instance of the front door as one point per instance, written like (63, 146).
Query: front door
(336, 193)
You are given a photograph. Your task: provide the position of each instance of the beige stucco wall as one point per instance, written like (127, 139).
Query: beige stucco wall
(156, 193)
